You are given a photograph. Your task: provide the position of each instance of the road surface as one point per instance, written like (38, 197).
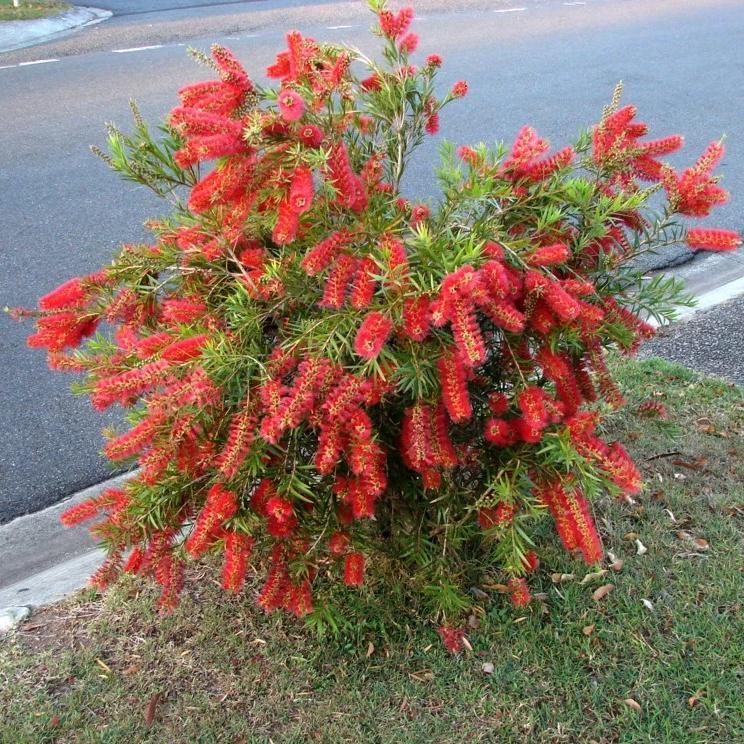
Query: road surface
(551, 64)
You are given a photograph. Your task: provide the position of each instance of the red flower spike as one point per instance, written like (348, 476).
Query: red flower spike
(452, 637)
(709, 239)
(338, 542)
(372, 335)
(291, 105)
(416, 317)
(364, 284)
(519, 593)
(220, 506)
(238, 547)
(453, 382)
(354, 569)
(549, 255)
(301, 190)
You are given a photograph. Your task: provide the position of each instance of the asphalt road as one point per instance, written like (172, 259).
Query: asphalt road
(552, 64)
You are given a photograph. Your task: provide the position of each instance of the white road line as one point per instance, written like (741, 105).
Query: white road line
(37, 62)
(510, 10)
(577, 3)
(7, 67)
(333, 28)
(137, 49)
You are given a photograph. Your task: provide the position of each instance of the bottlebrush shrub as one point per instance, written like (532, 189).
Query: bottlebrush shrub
(328, 383)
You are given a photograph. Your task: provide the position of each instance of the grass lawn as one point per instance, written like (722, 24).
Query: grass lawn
(30, 9)
(660, 658)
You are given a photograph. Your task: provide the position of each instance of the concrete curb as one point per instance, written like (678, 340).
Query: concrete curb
(41, 560)
(20, 34)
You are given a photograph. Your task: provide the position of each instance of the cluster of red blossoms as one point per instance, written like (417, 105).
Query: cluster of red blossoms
(319, 371)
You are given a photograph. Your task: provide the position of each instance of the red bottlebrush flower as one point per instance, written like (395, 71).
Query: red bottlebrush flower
(713, 239)
(504, 314)
(279, 509)
(434, 60)
(291, 105)
(530, 561)
(79, 513)
(454, 386)
(133, 563)
(264, 491)
(274, 592)
(653, 409)
(325, 252)
(238, 547)
(364, 285)
(502, 514)
(695, 192)
(311, 135)
(452, 637)
(519, 592)
(338, 542)
(467, 155)
(416, 317)
(527, 431)
(621, 469)
(415, 437)
(467, 333)
(301, 190)
(431, 126)
(61, 331)
(408, 43)
(371, 83)
(300, 599)
(107, 572)
(71, 295)
(169, 573)
(395, 25)
(531, 402)
(500, 433)
(372, 335)
(354, 569)
(337, 284)
(135, 440)
(231, 71)
(287, 223)
(185, 349)
(184, 310)
(220, 506)
(542, 169)
(240, 436)
(419, 213)
(459, 89)
(498, 403)
(443, 450)
(341, 175)
(549, 255)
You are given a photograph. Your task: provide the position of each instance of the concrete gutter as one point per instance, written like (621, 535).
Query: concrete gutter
(20, 34)
(40, 560)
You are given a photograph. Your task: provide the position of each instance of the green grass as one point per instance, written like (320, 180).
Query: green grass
(109, 670)
(30, 9)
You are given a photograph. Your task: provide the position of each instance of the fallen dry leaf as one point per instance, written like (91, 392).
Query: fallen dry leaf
(617, 565)
(630, 536)
(691, 465)
(487, 668)
(693, 700)
(683, 535)
(602, 592)
(467, 644)
(700, 543)
(641, 549)
(559, 578)
(587, 630)
(151, 709)
(370, 649)
(648, 604)
(593, 576)
(633, 704)
(424, 675)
